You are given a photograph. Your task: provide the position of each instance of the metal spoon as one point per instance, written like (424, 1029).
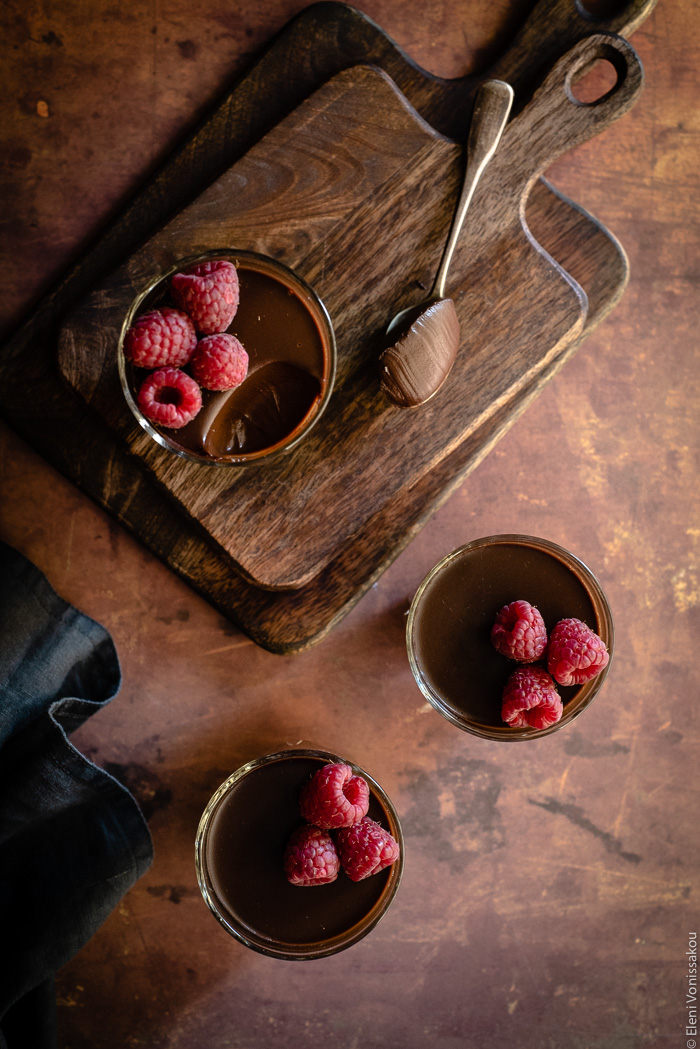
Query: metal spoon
(426, 337)
(491, 110)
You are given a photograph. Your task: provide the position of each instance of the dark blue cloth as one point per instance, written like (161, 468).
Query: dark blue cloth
(72, 838)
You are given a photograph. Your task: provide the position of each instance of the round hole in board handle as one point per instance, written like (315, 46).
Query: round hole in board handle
(601, 10)
(594, 82)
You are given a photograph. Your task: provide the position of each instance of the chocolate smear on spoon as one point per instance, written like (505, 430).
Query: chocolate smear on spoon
(420, 360)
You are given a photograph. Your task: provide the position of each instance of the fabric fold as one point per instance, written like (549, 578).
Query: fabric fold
(72, 838)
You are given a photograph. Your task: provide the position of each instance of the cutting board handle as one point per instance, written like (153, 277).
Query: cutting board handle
(552, 26)
(555, 121)
(629, 14)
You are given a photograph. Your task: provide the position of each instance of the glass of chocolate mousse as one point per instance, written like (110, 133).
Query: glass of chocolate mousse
(449, 626)
(288, 336)
(239, 853)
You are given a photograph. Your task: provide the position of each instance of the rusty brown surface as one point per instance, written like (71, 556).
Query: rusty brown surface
(549, 887)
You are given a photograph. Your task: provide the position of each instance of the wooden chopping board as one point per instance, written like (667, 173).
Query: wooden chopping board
(355, 192)
(320, 41)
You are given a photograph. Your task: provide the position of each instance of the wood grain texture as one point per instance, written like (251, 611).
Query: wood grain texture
(322, 39)
(359, 205)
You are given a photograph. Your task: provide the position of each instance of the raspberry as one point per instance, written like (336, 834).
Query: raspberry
(219, 362)
(530, 699)
(160, 338)
(170, 398)
(365, 849)
(208, 294)
(221, 269)
(575, 653)
(335, 797)
(519, 632)
(310, 857)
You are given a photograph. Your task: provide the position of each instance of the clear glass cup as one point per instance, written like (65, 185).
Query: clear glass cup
(239, 853)
(156, 295)
(449, 623)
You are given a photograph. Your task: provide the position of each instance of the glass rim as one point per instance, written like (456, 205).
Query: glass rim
(267, 945)
(313, 302)
(586, 691)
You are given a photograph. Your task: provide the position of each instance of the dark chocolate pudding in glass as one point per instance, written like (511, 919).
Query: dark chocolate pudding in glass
(449, 626)
(240, 849)
(288, 336)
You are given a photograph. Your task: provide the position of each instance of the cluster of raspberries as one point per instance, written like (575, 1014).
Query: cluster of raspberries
(192, 335)
(336, 799)
(573, 654)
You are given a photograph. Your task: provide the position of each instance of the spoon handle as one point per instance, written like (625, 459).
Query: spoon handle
(489, 117)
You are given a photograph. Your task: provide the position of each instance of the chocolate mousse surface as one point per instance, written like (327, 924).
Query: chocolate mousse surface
(452, 625)
(244, 856)
(417, 364)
